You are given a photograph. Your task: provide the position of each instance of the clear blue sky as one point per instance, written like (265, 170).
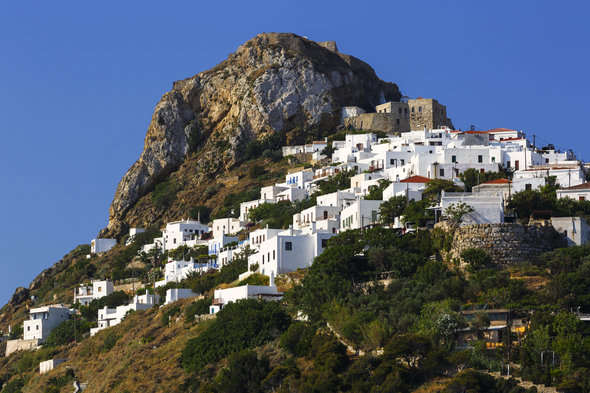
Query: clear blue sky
(79, 82)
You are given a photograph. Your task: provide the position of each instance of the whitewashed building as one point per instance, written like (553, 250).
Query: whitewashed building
(227, 226)
(580, 192)
(42, 320)
(246, 207)
(288, 251)
(574, 229)
(175, 294)
(360, 214)
(102, 245)
(108, 317)
(84, 294)
(225, 296)
(488, 207)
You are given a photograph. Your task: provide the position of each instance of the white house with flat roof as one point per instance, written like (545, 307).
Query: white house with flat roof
(488, 206)
(246, 207)
(314, 214)
(42, 320)
(288, 251)
(339, 198)
(226, 226)
(360, 214)
(108, 317)
(574, 229)
(225, 296)
(102, 245)
(176, 271)
(298, 179)
(292, 194)
(84, 294)
(175, 294)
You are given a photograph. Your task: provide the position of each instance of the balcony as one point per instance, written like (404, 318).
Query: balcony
(218, 302)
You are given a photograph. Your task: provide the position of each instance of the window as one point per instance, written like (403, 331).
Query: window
(442, 172)
(399, 110)
(508, 164)
(406, 111)
(401, 162)
(99, 289)
(419, 109)
(288, 246)
(37, 327)
(397, 120)
(263, 259)
(582, 198)
(482, 171)
(413, 109)
(28, 328)
(493, 159)
(273, 255)
(516, 165)
(453, 158)
(528, 187)
(546, 161)
(391, 161)
(480, 159)
(324, 243)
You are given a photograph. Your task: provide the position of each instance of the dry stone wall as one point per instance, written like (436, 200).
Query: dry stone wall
(507, 244)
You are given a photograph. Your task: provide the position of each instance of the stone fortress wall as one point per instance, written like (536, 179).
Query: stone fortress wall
(507, 244)
(408, 115)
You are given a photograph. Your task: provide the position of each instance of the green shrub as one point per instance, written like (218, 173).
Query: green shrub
(476, 258)
(109, 342)
(200, 307)
(245, 324)
(166, 317)
(164, 195)
(256, 171)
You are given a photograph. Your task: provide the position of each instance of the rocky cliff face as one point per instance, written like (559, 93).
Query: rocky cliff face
(274, 83)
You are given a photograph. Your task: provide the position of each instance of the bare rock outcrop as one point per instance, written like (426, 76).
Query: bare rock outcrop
(274, 83)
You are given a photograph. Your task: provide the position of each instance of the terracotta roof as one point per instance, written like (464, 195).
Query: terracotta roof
(584, 186)
(415, 179)
(319, 142)
(512, 139)
(500, 130)
(497, 181)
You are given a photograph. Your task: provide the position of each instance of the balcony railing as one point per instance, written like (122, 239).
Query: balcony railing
(218, 301)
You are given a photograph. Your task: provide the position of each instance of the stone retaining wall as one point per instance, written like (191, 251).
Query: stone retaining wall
(507, 244)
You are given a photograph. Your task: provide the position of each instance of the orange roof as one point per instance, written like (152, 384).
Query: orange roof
(415, 179)
(578, 187)
(497, 181)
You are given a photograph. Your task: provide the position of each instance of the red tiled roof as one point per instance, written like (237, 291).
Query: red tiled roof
(415, 179)
(583, 186)
(497, 181)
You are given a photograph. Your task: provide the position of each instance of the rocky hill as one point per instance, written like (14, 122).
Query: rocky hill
(273, 84)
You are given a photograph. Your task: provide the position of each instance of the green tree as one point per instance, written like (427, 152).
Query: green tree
(340, 181)
(476, 258)
(392, 208)
(244, 324)
(418, 212)
(244, 373)
(435, 186)
(470, 177)
(376, 191)
(456, 211)
(413, 349)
